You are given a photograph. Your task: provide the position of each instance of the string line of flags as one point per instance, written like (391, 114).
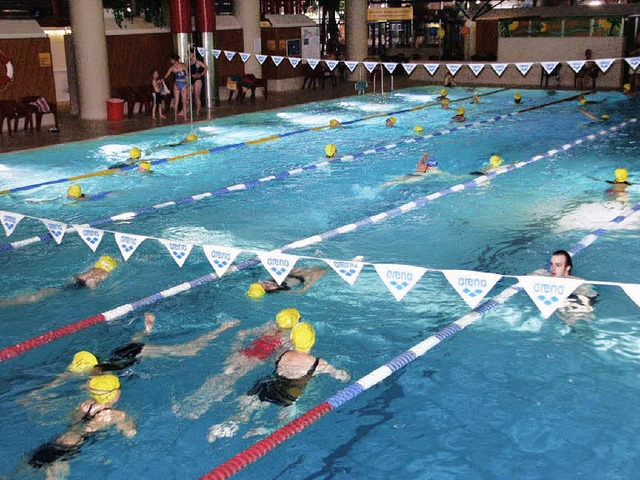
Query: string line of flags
(523, 67)
(548, 293)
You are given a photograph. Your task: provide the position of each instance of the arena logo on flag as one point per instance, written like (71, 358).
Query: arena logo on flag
(261, 58)
(277, 60)
(576, 65)
(91, 236)
(548, 293)
(331, 64)
(56, 229)
(294, 61)
(549, 66)
(370, 66)
(245, 56)
(348, 270)
(202, 51)
(409, 67)
(453, 67)
(220, 258)
(179, 250)
(605, 63)
(313, 63)
(10, 221)
(128, 243)
(499, 68)
(633, 62)
(431, 67)
(216, 53)
(229, 54)
(471, 286)
(278, 264)
(524, 67)
(399, 279)
(476, 68)
(351, 65)
(390, 66)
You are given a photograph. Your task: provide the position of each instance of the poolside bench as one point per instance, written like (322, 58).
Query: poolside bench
(39, 112)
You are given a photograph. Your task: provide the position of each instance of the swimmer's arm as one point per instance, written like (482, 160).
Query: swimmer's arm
(338, 374)
(37, 395)
(311, 276)
(588, 114)
(123, 423)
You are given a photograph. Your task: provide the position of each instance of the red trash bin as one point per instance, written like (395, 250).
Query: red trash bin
(115, 109)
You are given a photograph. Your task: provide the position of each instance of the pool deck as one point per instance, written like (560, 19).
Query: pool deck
(73, 129)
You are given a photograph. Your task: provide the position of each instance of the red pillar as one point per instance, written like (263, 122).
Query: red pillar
(180, 16)
(205, 16)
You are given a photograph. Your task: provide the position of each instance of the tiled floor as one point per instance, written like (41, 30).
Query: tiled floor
(74, 129)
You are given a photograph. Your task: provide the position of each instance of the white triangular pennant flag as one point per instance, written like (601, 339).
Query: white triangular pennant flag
(431, 67)
(370, 66)
(399, 279)
(409, 67)
(348, 270)
(216, 53)
(313, 63)
(10, 221)
(294, 61)
(220, 258)
(277, 60)
(202, 51)
(261, 58)
(524, 67)
(499, 68)
(453, 67)
(178, 250)
(351, 65)
(91, 236)
(548, 293)
(56, 229)
(229, 54)
(244, 56)
(331, 64)
(605, 63)
(128, 243)
(633, 291)
(278, 264)
(633, 62)
(471, 286)
(476, 68)
(576, 65)
(390, 66)
(549, 66)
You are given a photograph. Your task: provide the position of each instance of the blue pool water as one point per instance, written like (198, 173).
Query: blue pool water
(513, 396)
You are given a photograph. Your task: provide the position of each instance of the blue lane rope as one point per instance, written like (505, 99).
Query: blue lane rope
(125, 309)
(254, 183)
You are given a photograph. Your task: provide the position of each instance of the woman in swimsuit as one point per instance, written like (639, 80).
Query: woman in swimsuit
(270, 339)
(198, 70)
(180, 87)
(91, 416)
(293, 370)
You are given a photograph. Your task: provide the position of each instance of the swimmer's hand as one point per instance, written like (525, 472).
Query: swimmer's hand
(341, 375)
(229, 324)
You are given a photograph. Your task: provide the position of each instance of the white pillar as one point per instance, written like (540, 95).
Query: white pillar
(248, 15)
(90, 42)
(356, 32)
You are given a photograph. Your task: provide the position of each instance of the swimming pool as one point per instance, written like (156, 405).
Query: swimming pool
(513, 396)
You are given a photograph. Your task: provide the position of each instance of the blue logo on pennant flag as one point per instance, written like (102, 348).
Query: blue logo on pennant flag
(178, 255)
(398, 285)
(127, 248)
(221, 263)
(473, 293)
(548, 300)
(55, 229)
(10, 225)
(278, 271)
(261, 58)
(347, 273)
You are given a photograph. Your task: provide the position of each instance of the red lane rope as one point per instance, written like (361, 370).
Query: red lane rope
(262, 447)
(19, 348)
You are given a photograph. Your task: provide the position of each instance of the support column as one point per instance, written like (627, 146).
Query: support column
(248, 16)
(356, 33)
(90, 44)
(181, 28)
(206, 26)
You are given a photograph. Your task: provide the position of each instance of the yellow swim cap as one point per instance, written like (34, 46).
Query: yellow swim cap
(287, 318)
(330, 150)
(626, 86)
(495, 161)
(605, 117)
(191, 137)
(104, 388)
(583, 101)
(460, 111)
(333, 123)
(303, 337)
(74, 191)
(517, 96)
(145, 165)
(83, 361)
(418, 129)
(621, 175)
(134, 153)
(255, 291)
(392, 120)
(445, 101)
(106, 263)
(444, 92)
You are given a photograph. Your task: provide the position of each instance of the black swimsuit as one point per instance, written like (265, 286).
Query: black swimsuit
(122, 357)
(281, 390)
(284, 286)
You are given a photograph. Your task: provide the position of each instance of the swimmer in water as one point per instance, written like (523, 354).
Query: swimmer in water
(602, 118)
(293, 371)
(495, 162)
(92, 278)
(91, 416)
(268, 340)
(391, 121)
(459, 116)
(443, 94)
(426, 166)
(299, 280)
(618, 189)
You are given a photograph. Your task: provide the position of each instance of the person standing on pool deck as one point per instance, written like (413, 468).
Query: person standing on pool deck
(270, 339)
(293, 370)
(91, 417)
(180, 87)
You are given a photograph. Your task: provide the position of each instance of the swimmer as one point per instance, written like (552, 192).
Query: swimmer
(517, 98)
(603, 117)
(476, 99)
(293, 371)
(330, 150)
(91, 416)
(459, 116)
(582, 100)
(495, 162)
(333, 123)
(134, 157)
(123, 357)
(618, 189)
(443, 94)
(578, 305)
(144, 168)
(269, 339)
(391, 121)
(418, 130)
(448, 80)
(445, 104)
(92, 278)
(299, 280)
(426, 166)
(626, 90)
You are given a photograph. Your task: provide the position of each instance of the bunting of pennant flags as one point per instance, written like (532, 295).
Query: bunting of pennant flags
(523, 67)
(547, 293)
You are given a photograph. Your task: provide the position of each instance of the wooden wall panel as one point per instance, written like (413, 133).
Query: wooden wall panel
(278, 37)
(487, 37)
(29, 77)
